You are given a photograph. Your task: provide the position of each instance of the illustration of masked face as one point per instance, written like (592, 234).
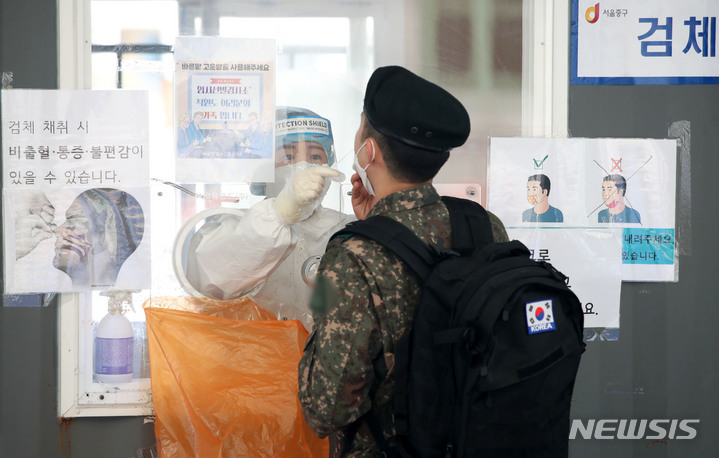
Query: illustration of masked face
(611, 195)
(75, 239)
(534, 193)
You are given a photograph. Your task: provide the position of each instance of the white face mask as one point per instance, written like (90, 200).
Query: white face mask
(362, 172)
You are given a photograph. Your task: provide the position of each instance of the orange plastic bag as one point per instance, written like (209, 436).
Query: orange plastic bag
(224, 380)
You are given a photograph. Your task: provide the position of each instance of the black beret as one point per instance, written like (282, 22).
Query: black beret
(414, 111)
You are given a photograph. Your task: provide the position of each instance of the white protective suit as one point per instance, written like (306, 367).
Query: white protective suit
(258, 253)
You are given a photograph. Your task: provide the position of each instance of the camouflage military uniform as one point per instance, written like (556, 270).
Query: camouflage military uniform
(363, 302)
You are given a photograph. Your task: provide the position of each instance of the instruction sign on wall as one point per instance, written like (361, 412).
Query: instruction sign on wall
(75, 190)
(625, 185)
(601, 210)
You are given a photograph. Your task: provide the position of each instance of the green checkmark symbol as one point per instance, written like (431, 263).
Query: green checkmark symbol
(539, 164)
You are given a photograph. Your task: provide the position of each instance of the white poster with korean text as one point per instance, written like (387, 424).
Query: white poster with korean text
(626, 185)
(225, 109)
(76, 196)
(639, 42)
(591, 259)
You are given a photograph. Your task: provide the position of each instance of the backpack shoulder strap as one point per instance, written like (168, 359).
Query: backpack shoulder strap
(397, 238)
(471, 227)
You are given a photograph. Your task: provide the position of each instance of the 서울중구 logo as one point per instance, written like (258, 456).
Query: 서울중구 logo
(592, 14)
(540, 316)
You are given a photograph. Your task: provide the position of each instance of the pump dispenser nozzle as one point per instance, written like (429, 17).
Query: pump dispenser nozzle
(118, 297)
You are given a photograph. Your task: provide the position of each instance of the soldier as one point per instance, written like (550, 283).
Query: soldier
(365, 297)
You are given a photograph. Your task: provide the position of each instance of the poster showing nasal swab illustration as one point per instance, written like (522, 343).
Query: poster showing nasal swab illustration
(76, 193)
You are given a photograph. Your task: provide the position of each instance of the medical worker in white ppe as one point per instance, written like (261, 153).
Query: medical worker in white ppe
(271, 251)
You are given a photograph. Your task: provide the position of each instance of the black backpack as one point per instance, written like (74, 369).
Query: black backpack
(488, 368)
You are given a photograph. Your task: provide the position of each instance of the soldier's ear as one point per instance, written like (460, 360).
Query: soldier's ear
(375, 150)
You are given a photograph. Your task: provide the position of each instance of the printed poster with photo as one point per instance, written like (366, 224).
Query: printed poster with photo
(76, 197)
(225, 109)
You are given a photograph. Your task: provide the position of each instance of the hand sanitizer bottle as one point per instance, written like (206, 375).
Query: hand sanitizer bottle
(114, 341)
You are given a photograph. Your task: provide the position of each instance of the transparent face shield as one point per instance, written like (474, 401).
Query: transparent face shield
(300, 142)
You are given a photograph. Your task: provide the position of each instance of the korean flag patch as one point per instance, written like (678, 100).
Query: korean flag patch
(540, 316)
